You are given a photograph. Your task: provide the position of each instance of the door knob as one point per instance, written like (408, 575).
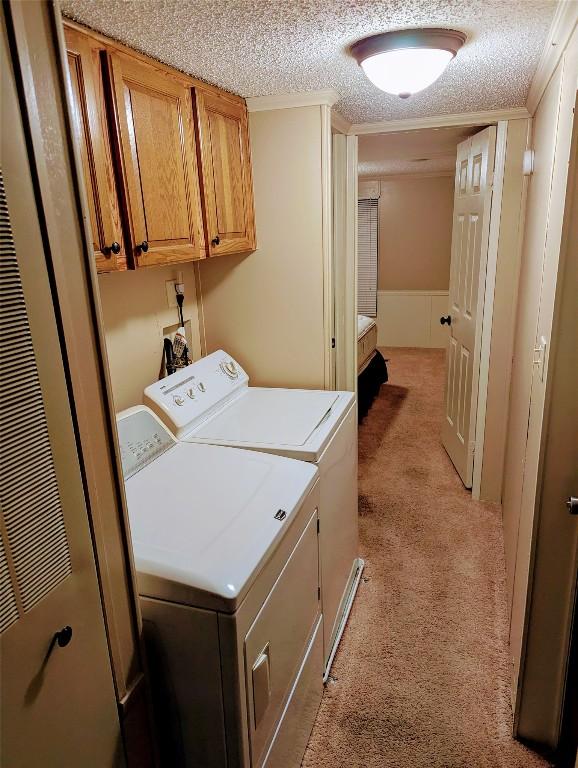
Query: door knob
(60, 639)
(63, 637)
(216, 240)
(446, 320)
(144, 246)
(572, 505)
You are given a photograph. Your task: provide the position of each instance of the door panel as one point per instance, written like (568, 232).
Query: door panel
(58, 703)
(472, 203)
(92, 138)
(226, 174)
(154, 122)
(278, 638)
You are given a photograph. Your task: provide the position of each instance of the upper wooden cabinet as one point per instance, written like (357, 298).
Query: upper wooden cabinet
(165, 158)
(226, 179)
(154, 120)
(91, 132)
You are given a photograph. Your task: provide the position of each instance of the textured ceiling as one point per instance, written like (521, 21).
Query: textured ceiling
(425, 151)
(264, 47)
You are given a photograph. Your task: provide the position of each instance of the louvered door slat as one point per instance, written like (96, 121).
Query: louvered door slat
(34, 552)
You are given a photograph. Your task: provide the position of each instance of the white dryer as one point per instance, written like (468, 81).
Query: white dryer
(211, 402)
(224, 540)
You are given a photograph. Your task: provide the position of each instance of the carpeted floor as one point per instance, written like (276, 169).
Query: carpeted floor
(421, 679)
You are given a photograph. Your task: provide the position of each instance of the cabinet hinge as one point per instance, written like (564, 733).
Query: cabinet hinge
(318, 525)
(319, 593)
(333, 343)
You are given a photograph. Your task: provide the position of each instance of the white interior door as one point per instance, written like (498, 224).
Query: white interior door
(57, 702)
(471, 226)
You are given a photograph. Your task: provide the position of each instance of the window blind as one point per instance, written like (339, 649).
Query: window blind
(367, 257)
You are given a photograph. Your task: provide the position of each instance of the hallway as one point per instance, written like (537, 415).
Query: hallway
(421, 679)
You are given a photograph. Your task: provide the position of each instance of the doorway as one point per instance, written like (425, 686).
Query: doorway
(413, 290)
(406, 200)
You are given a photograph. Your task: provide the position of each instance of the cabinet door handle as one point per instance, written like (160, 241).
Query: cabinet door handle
(444, 320)
(216, 240)
(115, 248)
(144, 246)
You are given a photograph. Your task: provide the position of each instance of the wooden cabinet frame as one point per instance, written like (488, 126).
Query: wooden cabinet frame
(214, 210)
(89, 119)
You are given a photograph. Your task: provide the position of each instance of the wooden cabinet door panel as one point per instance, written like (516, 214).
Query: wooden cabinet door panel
(226, 174)
(91, 132)
(156, 137)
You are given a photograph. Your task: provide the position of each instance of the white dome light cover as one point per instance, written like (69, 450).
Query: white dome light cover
(407, 61)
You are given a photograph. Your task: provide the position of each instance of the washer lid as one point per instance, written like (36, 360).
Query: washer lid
(283, 417)
(203, 520)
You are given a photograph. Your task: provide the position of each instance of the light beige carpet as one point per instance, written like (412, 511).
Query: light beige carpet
(421, 679)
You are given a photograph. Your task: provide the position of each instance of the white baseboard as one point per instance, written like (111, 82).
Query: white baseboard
(412, 319)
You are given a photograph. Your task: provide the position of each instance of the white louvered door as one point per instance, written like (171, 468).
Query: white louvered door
(58, 706)
(471, 227)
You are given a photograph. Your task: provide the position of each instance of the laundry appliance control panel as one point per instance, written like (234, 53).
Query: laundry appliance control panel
(185, 399)
(142, 437)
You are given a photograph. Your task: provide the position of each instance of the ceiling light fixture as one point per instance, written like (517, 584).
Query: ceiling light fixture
(406, 61)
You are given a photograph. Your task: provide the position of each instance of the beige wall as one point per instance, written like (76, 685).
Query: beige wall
(537, 706)
(135, 312)
(415, 233)
(266, 308)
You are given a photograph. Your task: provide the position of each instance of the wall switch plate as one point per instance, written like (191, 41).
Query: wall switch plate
(171, 293)
(540, 357)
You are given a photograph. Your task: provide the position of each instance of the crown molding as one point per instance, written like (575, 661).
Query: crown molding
(410, 175)
(327, 98)
(440, 121)
(563, 25)
(340, 123)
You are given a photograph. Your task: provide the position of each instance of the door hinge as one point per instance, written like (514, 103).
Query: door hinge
(332, 343)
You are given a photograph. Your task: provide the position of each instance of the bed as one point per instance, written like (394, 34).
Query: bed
(371, 365)
(366, 341)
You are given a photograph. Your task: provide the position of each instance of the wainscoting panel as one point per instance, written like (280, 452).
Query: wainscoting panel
(412, 319)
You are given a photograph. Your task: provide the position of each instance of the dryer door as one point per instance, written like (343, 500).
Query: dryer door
(277, 641)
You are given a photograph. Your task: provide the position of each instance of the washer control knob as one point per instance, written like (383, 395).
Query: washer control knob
(230, 369)
(178, 400)
(201, 387)
(191, 393)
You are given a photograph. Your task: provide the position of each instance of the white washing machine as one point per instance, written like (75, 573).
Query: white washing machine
(224, 540)
(211, 402)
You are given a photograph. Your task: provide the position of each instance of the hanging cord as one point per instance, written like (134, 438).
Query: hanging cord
(168, 356)
(180, 300)
(180, 349)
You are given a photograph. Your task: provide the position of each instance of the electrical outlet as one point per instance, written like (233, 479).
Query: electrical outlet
(171, 293)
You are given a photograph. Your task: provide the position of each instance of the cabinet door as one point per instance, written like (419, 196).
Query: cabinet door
(226, 173)
(154, 124)
(92, 136)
